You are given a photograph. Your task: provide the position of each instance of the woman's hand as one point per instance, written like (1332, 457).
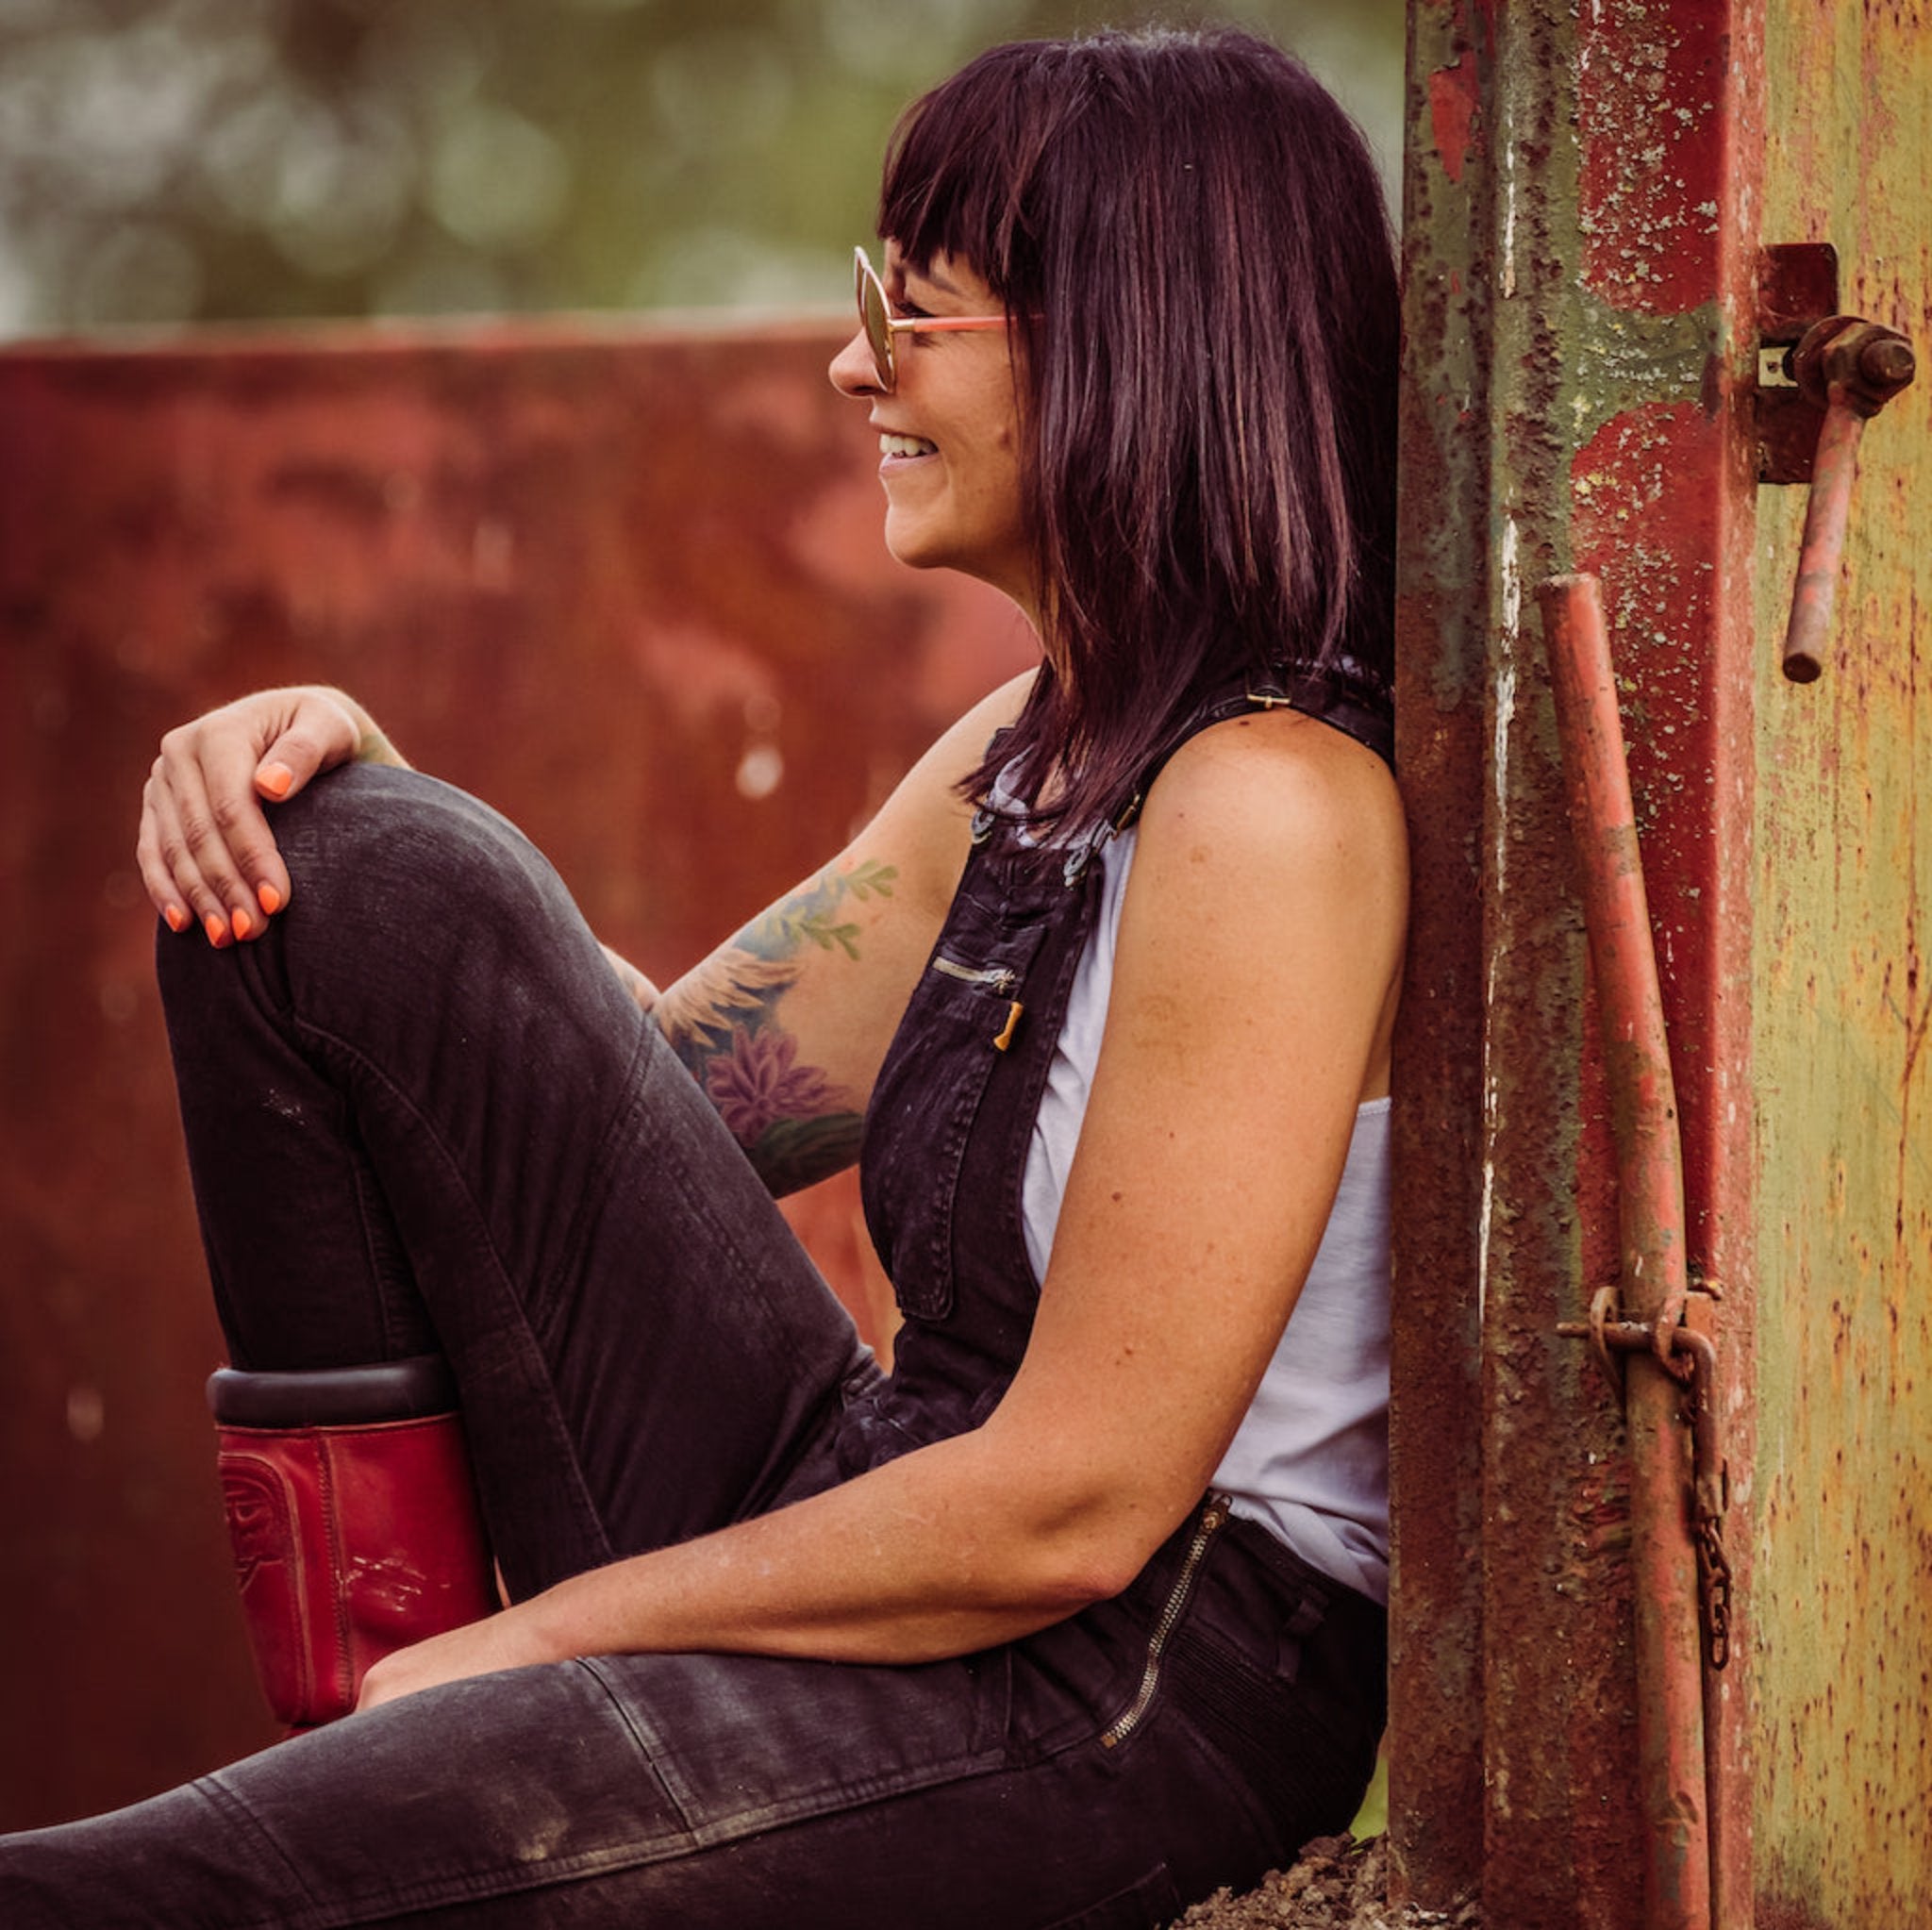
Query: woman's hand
(510, 1640)
(206, 852)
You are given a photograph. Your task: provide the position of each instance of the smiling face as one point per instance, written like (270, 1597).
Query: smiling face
(949, 432)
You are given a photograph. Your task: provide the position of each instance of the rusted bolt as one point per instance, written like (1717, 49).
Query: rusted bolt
(1847, 358)
(1888, 363)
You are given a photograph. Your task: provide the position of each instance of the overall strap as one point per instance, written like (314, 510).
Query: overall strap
(1337, 693)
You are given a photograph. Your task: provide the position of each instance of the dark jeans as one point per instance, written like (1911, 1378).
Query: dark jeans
(424, 1116)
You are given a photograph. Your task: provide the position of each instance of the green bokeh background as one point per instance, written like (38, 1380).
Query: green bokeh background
(248, 160)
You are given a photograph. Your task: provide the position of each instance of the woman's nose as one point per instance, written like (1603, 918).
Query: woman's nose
(852, 371)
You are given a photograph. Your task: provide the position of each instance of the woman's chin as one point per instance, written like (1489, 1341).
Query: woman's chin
(915, 548)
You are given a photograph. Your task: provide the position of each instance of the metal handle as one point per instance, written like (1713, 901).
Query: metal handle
(1851, 369)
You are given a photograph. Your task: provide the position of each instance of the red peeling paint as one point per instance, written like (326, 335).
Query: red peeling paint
(1650, 185)
(1452, 112)
(1647, 489)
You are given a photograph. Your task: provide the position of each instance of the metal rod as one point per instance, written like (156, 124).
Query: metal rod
(1828, 515)
(1650, 1213)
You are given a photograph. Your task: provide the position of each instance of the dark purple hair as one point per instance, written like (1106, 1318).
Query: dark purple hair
(1190, 236)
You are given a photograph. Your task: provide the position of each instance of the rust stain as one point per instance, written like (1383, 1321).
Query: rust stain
(1437, 1770)
(1453, 106)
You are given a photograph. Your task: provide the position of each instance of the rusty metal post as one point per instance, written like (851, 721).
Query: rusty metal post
(1654, 1283)
(1586, 193)
(1579, 236)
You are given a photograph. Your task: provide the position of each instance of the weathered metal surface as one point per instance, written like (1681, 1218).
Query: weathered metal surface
(1436, 1712)
(629, 587)
(1580, 257)
(1840, 1000)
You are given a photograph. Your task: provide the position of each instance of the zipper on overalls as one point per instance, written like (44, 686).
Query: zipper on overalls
(1000, 979)
(1210, 1524)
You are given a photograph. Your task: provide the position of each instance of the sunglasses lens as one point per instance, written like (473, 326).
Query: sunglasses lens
(874, 313)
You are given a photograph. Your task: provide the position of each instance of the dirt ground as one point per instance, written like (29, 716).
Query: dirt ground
(1339, 1884)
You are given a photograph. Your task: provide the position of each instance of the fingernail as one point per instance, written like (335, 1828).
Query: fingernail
(176, 919)
(275, 779)
(268, 899)
(241, 922)
(217, 932)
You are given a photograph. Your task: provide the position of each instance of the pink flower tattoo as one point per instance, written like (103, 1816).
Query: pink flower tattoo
(756, 1083)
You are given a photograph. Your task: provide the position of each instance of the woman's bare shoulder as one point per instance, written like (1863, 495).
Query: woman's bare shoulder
(1269, 902)
(1281, 793)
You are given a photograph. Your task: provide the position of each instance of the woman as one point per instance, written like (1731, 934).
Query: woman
(1076, 1614)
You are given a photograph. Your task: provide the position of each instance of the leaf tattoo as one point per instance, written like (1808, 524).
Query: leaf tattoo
(810, 917)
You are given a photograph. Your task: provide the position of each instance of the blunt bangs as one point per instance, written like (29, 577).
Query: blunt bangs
(954, 177)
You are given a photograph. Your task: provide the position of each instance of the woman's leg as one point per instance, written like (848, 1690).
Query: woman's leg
(423, 1115)
(699, 1792)
(721, 1792)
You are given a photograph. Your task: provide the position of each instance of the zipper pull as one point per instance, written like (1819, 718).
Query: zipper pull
(1004, 1037)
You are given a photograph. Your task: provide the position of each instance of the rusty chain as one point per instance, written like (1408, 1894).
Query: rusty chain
(1692, 1362)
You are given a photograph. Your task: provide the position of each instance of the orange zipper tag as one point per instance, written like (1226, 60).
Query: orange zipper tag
(1005, 1037)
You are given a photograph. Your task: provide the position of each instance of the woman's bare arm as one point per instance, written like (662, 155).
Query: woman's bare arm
(786, 1024)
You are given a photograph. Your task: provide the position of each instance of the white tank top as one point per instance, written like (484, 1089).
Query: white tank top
(1311, 1460)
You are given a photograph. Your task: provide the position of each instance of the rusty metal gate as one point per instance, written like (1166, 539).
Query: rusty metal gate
(1607, 350)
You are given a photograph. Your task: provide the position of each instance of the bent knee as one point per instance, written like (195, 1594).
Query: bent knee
(372, 844)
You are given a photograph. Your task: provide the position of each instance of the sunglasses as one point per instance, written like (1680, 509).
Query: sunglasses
(876, 315)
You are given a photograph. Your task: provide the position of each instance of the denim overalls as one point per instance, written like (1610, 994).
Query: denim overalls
(952, 1113)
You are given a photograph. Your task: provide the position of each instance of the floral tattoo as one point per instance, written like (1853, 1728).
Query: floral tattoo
(721, 1021)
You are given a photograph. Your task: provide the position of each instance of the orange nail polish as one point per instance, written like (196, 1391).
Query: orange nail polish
(176, 919)
(243, 925)
(275, 779)
(268, 899)
(217, 932)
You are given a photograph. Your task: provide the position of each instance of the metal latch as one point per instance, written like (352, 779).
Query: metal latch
(1821, 377)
